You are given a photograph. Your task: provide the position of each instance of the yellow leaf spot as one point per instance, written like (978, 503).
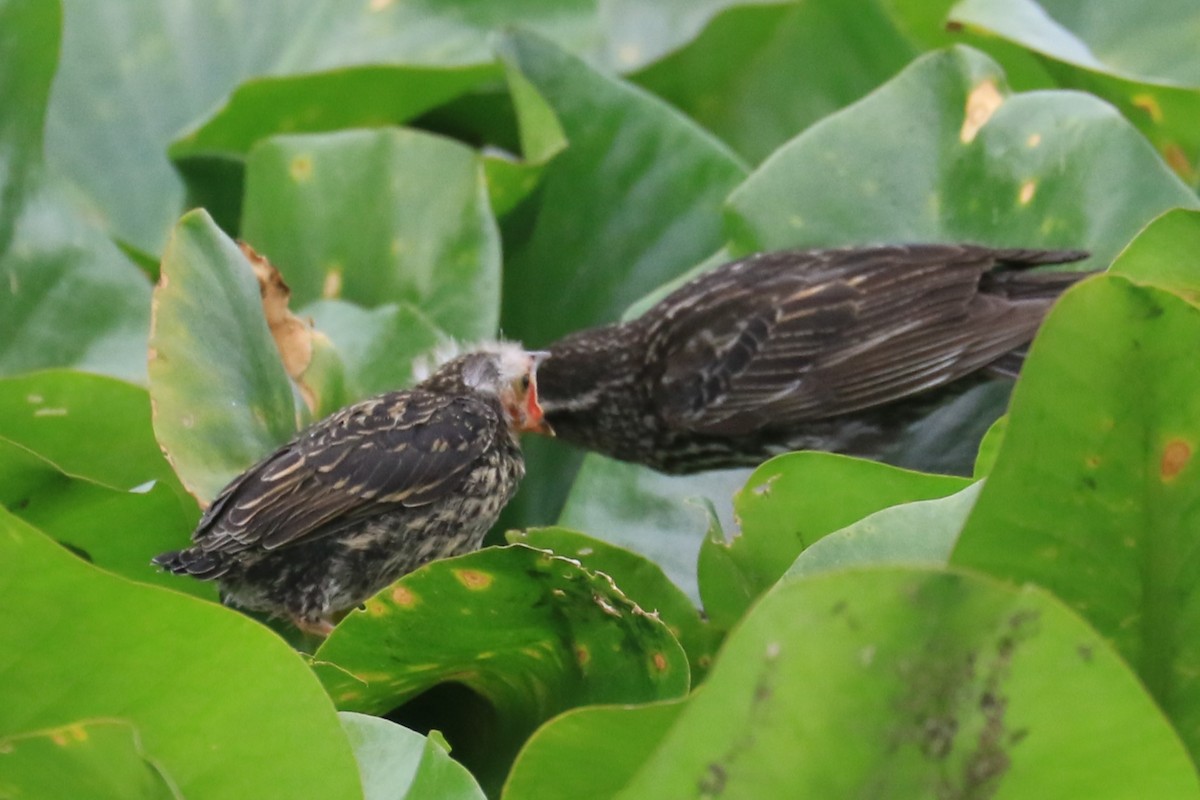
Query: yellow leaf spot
(1034, 140)
(1177, 159)
(379, 5)
(582, 655)
(331, 287)
(301, 168)
(473, 579)
(404, 597)
(1028, 190)
(1092, 462)
(982, 102)
(629, 55)
(376, 608)
(660, 662)
(1176, 456)
(1149, 104)
(348, 695)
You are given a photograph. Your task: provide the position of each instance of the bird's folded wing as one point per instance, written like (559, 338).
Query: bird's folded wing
(780, 342)
(408, 449)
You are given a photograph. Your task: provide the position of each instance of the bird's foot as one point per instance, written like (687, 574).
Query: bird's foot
(321, 627)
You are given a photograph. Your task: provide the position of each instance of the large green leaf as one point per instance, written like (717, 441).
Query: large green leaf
(907, 683)
(589, 752)
(1094, 493)
(97, 759)
(381, 347)
(88, 425)
(112, 528)
(1165, 254)
(1139, 57)
(70, 297)
(731, 77)
(399, 764)
(651, 208)
(220, 394)
(531, 633)
(922, 532)
(789, 503)
(360, 97)
(641, 580)
(225, 707)
(379, 217)
(133, 75)
(663, 517)
(943, 153)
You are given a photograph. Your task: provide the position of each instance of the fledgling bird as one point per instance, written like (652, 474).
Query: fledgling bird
(371, 492)
(835, 350)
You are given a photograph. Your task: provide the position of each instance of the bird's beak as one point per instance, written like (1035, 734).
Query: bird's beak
(533, 420)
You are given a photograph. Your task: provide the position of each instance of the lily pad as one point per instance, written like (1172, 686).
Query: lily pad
(80, 643)
(923, 533)
(377, 217)
(787, 505)
(913, 683)
(1165, 254)
(1140, 58)
(974, 163)
(641, 580)
(220, 394)
(530, 633)
(589, 752)
(399, 764)
(95, 521)
(100, 759)
(1094, 493)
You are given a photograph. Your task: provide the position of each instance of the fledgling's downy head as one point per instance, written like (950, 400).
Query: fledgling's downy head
(502, 369)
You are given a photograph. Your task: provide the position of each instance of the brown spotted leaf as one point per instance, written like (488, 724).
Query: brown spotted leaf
(531, 633)
(904, 683)
(1095, 492)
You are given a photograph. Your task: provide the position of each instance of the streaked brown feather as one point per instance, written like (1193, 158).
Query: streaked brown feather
(383, 451)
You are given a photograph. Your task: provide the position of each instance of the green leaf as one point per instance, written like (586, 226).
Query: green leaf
(398, 763)
(729, 78)
(380, 347)
(911, 683)
(79, 643)
(361, 97)
(98, 759)
(788, 504)
(530, 633)
(972, 163)
(1094, 494)
(96, 521)
(1165, 254)
(641, 580)
(589, 752)
(919, 533)
(663, 517)
(70, 296)
(89, 426)
(1140, 58)
(376, 217)
(220, 394)
(989, 448)
(134, 75)
(654, 182)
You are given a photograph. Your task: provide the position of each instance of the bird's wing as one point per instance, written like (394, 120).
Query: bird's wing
(402, 449)
(787, 337)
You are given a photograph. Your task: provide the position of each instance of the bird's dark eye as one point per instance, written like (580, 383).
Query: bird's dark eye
(525, 383)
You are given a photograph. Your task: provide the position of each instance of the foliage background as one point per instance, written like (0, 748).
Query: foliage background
(421, 172)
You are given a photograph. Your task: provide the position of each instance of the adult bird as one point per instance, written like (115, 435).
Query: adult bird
(835, 350)
(371, 492)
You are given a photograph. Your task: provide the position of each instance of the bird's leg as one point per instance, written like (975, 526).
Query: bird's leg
(320, 627)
